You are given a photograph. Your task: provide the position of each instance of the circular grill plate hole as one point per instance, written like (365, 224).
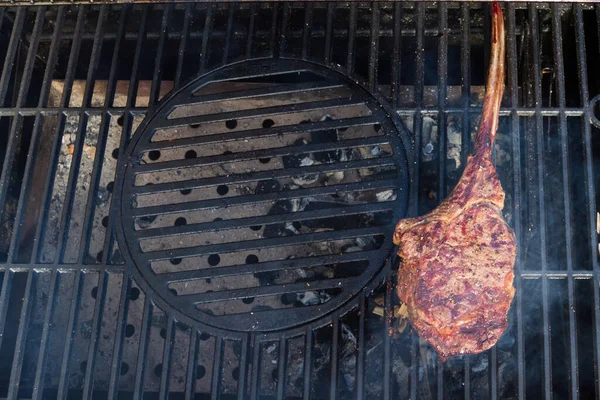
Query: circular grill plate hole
(273, 195)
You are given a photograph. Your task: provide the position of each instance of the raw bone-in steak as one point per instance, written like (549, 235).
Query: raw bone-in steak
(456, 274)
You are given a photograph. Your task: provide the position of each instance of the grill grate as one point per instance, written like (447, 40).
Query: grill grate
(76, 82)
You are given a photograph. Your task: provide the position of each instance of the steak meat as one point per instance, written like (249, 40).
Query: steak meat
(456, 274)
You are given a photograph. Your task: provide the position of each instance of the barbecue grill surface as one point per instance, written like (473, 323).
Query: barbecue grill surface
(196, 199)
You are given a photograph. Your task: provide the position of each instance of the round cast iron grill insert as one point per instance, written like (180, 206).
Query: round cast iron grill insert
(261, 196)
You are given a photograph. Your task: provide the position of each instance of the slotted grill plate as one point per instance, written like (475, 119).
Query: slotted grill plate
(260, 187)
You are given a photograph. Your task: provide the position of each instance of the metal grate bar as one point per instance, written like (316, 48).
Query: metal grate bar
(241, 388)
(117, 356)
(4, 296)
(360, 348)
(40, 370)
(165, 376)
(539, 136)
(64, 226)
(190, 380)
(374, 48)
(216, 372)
(282, 361)
(589, 171)
(158, 66)
(494, 373)
(265, 267)
(442, 93)
(467, 381)
(266, 220)
(222, 295)
(183, 44)
(256, 154)
(284, 23)
(255, 133)
(253, 199)
(334, 358)
(88, 385)
(9, 60)
(33, 146)
(465, 55)
(63, 385)
(229, 33)
(254, 378)
(328, 34)
(513, 90)
(101, 147)
(14, 135)
(259, 112)
(351, 38)
(388, 315)
(140, 370)
(68, 84)
(208, 22)
(262, 243)
(260, 175)
(396, 59)
(17, 364)
(306, 30)
(308, 348)
(274, 24)
(560, 78)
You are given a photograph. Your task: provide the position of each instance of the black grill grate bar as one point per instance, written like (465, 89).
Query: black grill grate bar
(269, 91)
(140, 370)
(64, 226)
(262, 243)
(68, 84)
(306, 30)
(183, 44)
(208, 22)
(13, 45)
(328, 30)
(216, 370)
(40, 370)
(257, 176)
(256, 154)
(308, 346)
(256, 359)
(255, 133)
(465, 55)
(560, 78)
(115, 369)
(88, 383)
(156, 76)
(265, 220)
(513, 90)
(13, 138)
(63, 384)
(222, 295)
(33, 146)
(396, 59)
(165, 376)
(283, 35)
(351, 38)
(4, 295)
(18, 355)
(467, 378)
(273, 34)
(281, 364)
(334, 358)
(360, 348)
(190, 379)
(241, 388)
(589, 172)
(387, 341)
(547, 381)
(101, 148)
(259, 112)
(229, 33)
(374, 47)
(253, 199)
